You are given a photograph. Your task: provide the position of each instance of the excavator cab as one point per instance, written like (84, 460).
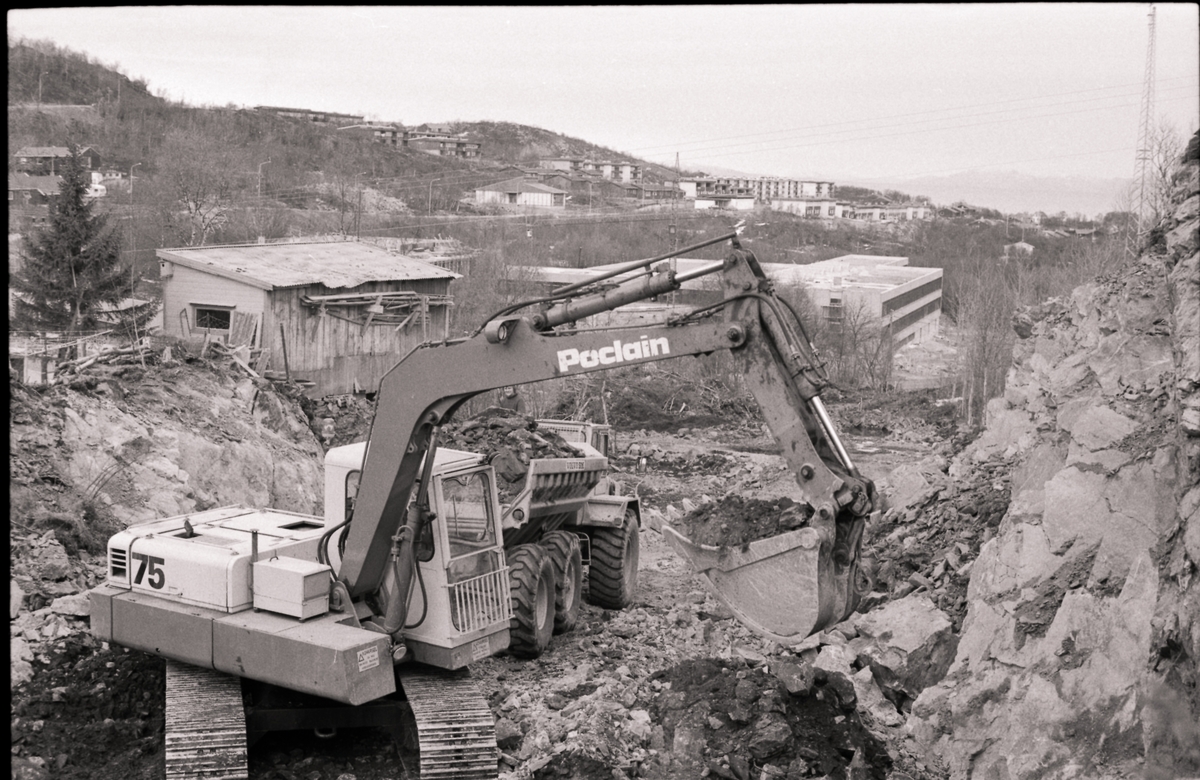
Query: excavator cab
(460, 610)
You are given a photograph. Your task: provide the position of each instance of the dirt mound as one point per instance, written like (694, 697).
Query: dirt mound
(509, 441)
(91, 711)
(737, 520)
(800, 720)
(733, 718)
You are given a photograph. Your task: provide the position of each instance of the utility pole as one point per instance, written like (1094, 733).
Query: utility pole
(429, 205)
(260, 167)
(358, 211)
(43, 73)
(674, 197)
(132, 237)
(1144, 151)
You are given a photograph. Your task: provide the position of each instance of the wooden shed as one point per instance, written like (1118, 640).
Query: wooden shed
(338, 314)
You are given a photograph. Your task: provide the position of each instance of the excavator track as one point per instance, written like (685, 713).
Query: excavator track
(456, 732)
(205, 725)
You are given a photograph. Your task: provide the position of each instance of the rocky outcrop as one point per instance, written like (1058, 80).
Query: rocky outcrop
(1078, 654)
(151, 444)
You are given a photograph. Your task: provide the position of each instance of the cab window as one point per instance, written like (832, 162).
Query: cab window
(470, 531)
(352, 480)
(467, 513)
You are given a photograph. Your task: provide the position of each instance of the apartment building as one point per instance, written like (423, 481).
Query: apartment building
(309, 115)
(762, 189)
(623, 172)
(441, 141)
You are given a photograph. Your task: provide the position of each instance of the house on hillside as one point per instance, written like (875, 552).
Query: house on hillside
(514, 171)
(309, 115)
(517, 193)
(25, 191)
(441, 141)
(1020, 247)
(562, 163)
(725, 202)
(30, 200)
(338, 314)
(871, 211)
(649, 191)
(624, 172)
(387, 134)
(49, 160)
(810, 208)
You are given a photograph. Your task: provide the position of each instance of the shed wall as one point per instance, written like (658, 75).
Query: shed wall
(336, 354)
(186, 287)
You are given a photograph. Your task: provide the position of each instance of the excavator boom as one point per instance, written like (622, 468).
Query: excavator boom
(785, 587)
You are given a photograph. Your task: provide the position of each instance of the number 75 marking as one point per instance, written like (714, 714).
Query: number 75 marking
(151, 562)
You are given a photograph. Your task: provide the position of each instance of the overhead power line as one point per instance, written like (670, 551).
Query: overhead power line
(682, 145)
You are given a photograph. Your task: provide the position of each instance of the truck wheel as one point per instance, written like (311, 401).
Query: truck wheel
(563, 549)
(532, 576)
(612, 576)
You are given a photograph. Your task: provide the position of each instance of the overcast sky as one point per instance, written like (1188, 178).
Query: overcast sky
(832, 91)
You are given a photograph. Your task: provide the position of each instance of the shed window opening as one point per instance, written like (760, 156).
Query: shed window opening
(214, 319)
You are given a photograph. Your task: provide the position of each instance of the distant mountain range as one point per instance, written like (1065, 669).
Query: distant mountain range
(1011, 192)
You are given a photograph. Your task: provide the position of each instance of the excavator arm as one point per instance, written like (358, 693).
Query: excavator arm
(784, 587)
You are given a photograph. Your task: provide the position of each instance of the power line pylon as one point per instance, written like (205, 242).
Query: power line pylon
(1144, 151)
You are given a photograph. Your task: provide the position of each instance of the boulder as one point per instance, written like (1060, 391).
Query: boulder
(835, 658)
(907, 483)
(772, 735)
(26, 769)
(51, 561)
(508, 734)
(75, 605)
(871, 700)
(909, 644)
(796, 678)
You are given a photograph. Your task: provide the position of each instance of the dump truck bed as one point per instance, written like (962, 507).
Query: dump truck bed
(555, 489)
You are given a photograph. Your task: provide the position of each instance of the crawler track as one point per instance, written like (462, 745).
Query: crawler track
(455, 728)
(205, 725)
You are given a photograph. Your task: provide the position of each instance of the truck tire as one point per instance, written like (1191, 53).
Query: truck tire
(531, 574)
(563, 549)
(612, 576)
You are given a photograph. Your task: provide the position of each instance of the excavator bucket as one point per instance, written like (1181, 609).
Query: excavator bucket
(781, 587)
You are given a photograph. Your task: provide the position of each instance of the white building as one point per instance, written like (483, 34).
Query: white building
(515, 193)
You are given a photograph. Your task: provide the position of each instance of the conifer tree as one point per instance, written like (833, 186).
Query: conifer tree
(71, 276)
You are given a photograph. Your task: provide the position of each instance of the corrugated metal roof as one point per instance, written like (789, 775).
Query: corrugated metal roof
(49, 151)
(520, 185)
(335, 264)
(44, 184)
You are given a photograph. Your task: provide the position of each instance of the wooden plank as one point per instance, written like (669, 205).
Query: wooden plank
(243, 329)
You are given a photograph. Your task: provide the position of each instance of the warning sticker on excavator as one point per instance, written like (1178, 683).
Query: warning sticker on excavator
(480, 649)
(368, 658)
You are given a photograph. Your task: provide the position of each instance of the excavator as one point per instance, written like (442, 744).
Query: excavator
(373, 613)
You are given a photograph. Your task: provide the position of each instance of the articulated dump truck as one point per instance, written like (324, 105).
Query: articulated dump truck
(372, 614)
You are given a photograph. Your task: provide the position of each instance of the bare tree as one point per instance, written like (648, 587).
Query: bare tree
(987, 301)
(1165, 146)
(200, 171)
